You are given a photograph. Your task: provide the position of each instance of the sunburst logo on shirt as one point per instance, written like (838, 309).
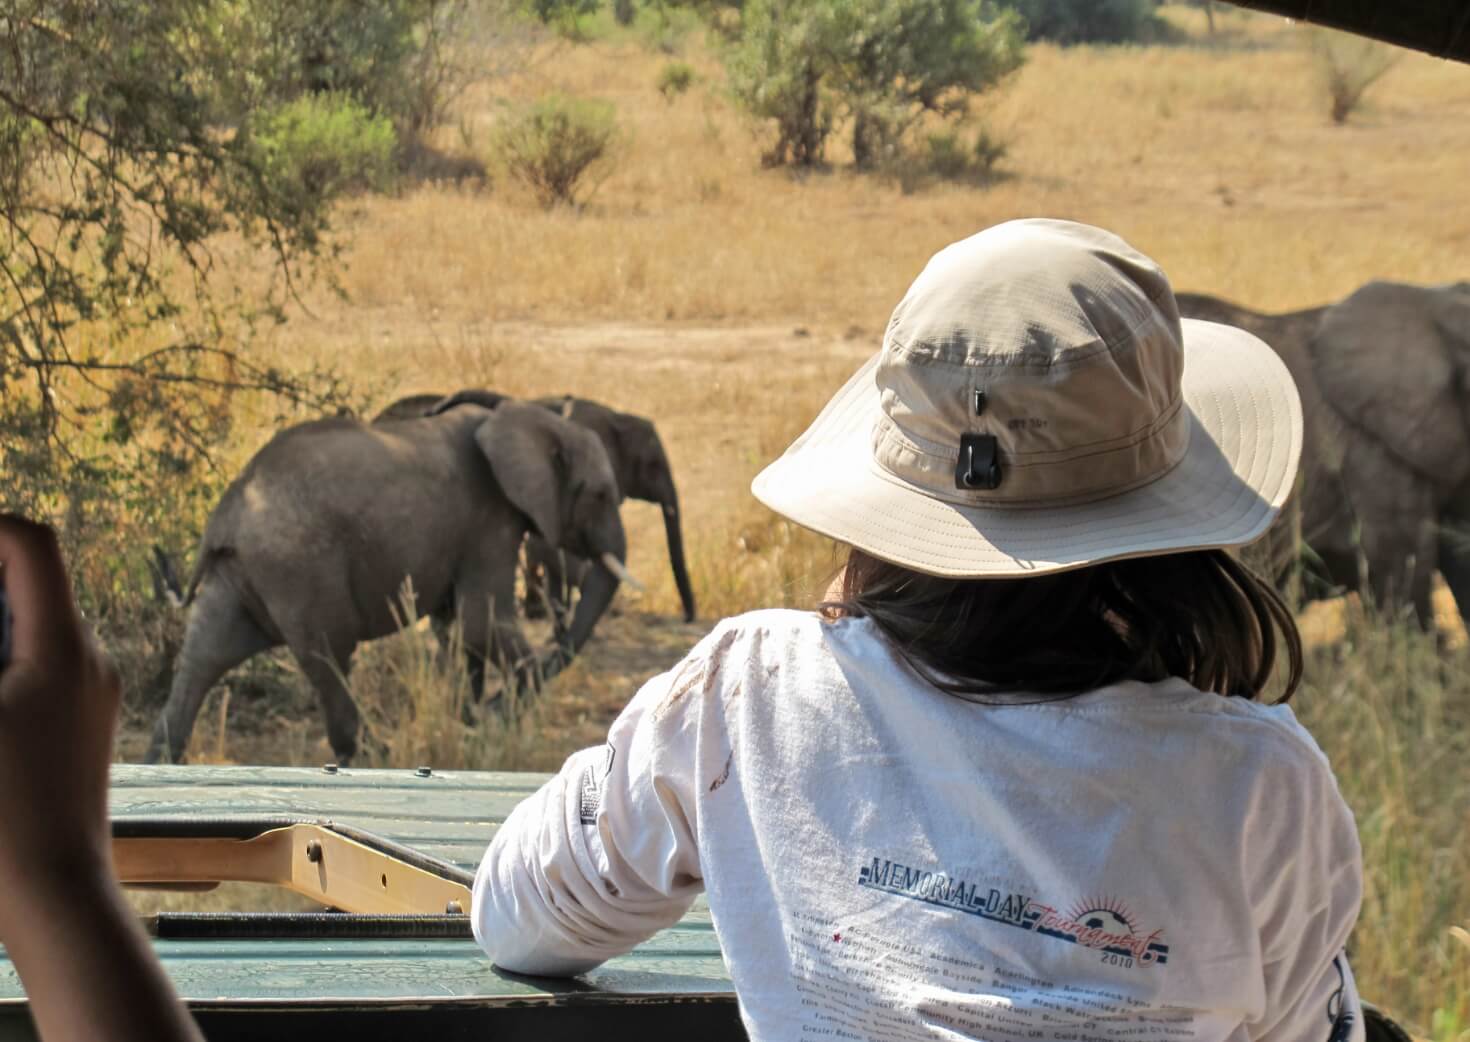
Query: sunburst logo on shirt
(1106, 914)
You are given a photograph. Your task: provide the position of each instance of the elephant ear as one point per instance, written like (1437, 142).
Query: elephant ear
(529, 463)
(1384, 364)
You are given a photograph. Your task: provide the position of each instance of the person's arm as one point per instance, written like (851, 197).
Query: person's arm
(1311, 882)
(87, 967)
(605, 854)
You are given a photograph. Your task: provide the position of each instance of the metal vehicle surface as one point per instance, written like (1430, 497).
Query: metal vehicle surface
(395, 851)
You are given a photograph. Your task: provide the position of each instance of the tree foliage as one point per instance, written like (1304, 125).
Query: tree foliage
(1088, 21)
(556, 144)
(117, 175)
(875, 67)
(406, 60)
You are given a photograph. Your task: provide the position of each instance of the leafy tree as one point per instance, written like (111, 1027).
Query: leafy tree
(875, 66)
(780, 68)
(905, 59)
(1088, 21)
(407, 60)
(122, 338)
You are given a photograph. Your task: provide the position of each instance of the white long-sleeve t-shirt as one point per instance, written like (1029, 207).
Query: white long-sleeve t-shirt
(886, 861)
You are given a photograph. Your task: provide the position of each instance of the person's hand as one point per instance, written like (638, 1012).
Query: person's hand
(58, 705)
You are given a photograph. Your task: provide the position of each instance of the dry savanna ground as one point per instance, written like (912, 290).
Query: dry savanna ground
(726, 302)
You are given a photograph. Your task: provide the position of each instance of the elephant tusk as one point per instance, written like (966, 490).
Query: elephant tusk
(615, 566)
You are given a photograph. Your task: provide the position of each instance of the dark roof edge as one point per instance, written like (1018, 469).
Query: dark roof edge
(1438, 27)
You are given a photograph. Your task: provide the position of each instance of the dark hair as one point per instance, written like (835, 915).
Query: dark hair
(1200, 615)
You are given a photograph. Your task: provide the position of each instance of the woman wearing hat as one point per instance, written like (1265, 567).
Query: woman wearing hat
(1019, 776)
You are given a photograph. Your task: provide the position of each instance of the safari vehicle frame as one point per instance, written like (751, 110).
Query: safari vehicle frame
(398, 961)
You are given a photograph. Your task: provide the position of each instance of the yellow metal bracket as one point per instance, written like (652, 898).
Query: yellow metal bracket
(314, 861)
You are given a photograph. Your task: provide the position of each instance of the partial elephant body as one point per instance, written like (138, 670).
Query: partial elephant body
(640, 467)
(1394, 359)
(1316, 512)
(1384, 378)
(416, 406)
(1393, 363)
(313, 544)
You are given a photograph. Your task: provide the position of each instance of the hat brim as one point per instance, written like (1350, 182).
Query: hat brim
(1244, 444)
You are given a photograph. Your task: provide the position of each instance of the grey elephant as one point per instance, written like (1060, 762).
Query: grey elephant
(1315, 513)
(416, 405)
(639, 462)
(1393, 363)
(312, 545)
(1386, 448)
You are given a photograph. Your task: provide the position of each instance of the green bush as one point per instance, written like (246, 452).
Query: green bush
(877, 66)
(950, 157)
(1088, 21)
(324, 145)
(407, 60)
(674, 79)
(556, 144)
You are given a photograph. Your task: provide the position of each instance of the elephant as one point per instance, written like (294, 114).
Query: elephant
(314, 543)
(416, 405)
(1393, 362)
(639, 462)
(1315, 513)
(1386, 448)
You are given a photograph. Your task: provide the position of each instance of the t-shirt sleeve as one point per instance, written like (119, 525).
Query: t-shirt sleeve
(605, 854)
(1310, 878)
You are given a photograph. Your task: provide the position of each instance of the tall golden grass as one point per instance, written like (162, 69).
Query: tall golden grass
(727, 302)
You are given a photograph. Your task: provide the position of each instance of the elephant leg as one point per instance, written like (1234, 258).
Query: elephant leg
(1395, 509)
(326, 663)
(546, 581)
(492, 634)
(220, 635)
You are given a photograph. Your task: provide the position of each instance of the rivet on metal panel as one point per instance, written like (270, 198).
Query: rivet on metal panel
(454, 908)
(329, 768)
(424, 772)
(313, 850)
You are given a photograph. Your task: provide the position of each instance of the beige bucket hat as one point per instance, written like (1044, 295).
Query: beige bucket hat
(1039, 405)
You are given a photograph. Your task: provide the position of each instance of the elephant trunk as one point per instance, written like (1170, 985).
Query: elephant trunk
(596, 594)
(675, 536)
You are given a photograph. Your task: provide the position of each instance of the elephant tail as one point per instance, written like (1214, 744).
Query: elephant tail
(208, 555)
(166, 589)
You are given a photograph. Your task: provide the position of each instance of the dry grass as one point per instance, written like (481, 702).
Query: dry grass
(1393, 715)
(727, 302)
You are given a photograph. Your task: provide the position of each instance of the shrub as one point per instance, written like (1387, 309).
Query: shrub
(779, 70)
(407, 60)
(1348, 66)
(674, 79)
(556, 144)
(324, 145)
(878, 64)
(948, 156)
(1088, 21)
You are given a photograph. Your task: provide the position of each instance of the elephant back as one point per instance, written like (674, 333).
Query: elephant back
(1385, 365)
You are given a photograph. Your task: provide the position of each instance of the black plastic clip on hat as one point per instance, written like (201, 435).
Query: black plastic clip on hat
(979, 463)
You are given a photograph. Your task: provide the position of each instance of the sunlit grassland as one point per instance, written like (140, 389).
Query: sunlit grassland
(726, 302)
